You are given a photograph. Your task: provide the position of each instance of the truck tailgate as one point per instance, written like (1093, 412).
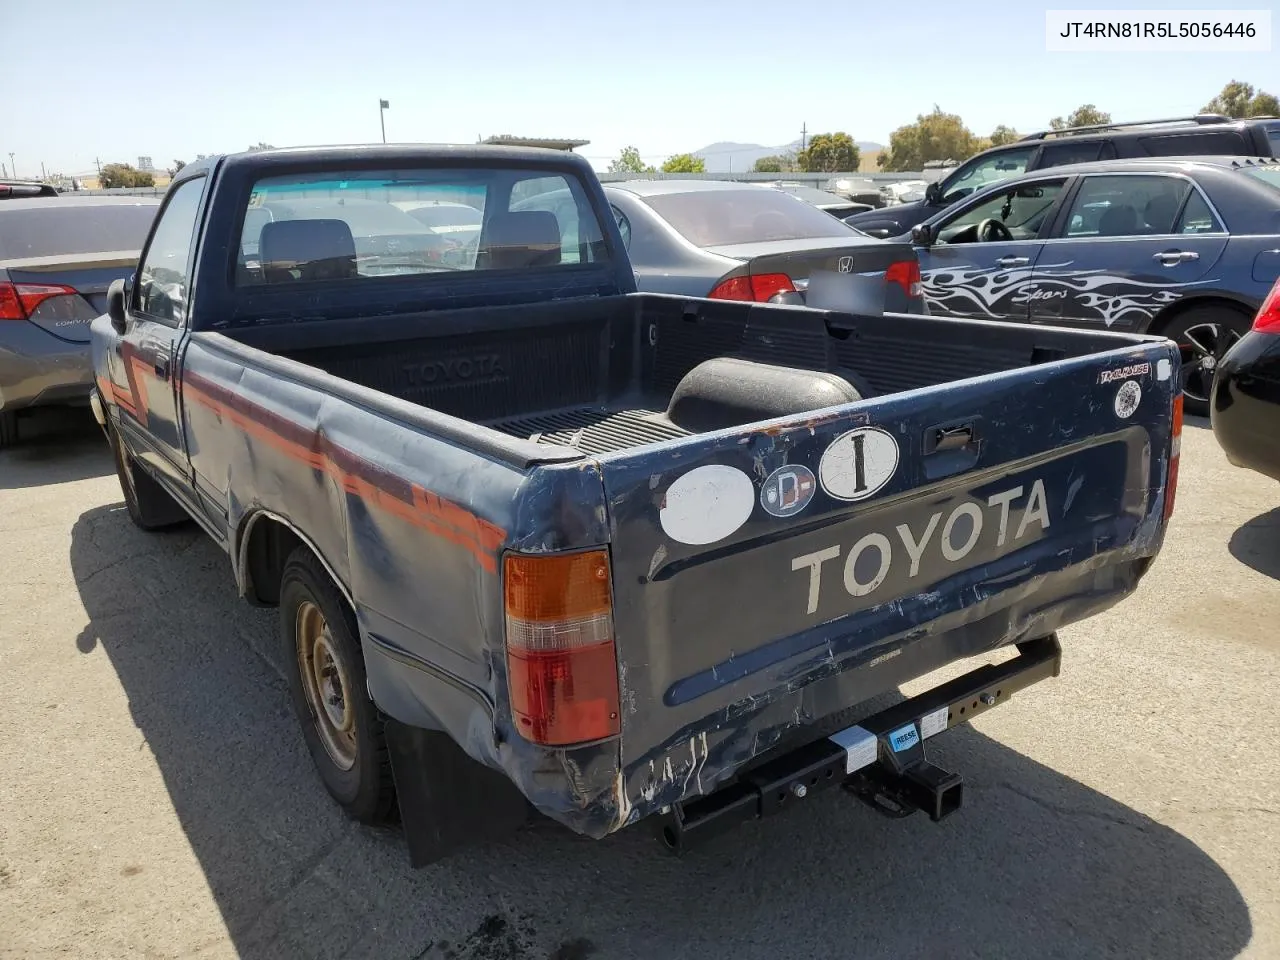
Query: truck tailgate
(753, 564)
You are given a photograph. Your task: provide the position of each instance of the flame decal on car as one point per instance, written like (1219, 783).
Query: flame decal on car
(1109, 296)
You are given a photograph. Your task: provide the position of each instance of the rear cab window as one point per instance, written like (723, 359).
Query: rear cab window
(712, 218)
(360, 225)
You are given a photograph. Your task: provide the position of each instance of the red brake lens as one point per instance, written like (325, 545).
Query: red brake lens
(1268, 318)
(19, 300)
(906, 274)
(758, 287)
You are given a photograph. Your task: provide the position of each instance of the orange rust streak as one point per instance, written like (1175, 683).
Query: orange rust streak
(432, 509)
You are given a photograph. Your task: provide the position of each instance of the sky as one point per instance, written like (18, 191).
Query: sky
(177, 79)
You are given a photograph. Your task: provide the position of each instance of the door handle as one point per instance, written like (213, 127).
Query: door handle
(1013, 261)
(162, 368)
(1171, 258)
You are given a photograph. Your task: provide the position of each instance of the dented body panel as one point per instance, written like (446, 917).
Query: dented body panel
(765, 577)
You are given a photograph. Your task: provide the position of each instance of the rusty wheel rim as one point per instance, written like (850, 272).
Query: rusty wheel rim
(326, 685)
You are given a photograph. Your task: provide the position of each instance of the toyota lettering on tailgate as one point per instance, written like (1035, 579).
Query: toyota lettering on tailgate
(948, 537)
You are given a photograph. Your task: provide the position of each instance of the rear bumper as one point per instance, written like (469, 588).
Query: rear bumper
(882, 754)
(1245, 406)
(38, 369)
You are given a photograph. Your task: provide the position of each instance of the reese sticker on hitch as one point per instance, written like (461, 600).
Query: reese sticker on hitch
(904, 738)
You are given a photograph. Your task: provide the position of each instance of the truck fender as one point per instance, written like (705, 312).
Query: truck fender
(245, 541)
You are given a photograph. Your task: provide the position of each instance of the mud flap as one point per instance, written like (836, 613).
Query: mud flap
(447, 800)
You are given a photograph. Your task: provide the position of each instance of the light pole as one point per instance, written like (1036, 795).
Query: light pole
(383, 106)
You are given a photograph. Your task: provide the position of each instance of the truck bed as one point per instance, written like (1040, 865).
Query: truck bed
(600, 375)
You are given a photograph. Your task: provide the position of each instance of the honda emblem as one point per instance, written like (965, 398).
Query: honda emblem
(845, 265)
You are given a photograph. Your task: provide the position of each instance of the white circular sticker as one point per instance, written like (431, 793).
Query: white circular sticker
(707, 504)
(858, 463)
(1127, 399)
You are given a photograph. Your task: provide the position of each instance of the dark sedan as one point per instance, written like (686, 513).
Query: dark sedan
(740, 241)
(1246, 394)
(57, 258)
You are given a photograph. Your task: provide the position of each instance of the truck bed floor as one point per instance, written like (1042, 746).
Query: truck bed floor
(595, 429)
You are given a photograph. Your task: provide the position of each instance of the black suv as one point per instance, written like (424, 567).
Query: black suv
(1205, 135)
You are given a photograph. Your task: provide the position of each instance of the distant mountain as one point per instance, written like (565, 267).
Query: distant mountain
(726, 156)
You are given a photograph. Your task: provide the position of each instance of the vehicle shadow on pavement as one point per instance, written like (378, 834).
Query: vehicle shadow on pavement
(1256, 544)
(1034, 865)
(55, 446)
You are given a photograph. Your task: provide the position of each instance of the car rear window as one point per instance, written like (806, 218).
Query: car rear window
(711, 218)
(355, 225)
(57, 231)
(1269, 175)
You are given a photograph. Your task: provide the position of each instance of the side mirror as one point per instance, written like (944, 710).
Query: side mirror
(115, 304)
(922, 235)
(933, 194)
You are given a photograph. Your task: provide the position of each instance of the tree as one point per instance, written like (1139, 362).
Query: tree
(1239, 99)
(934, 136)
(629, 162)
(684, 163)
(1002, 135)
(829, 153)
(115, 175)
(1084, 116)
(176, 168)
(773, 164)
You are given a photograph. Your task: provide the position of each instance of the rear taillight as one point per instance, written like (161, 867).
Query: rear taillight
(1175, 451)
(19, 300)
(906, 274)
(562, 669)
(758, 287)
(1268, 318)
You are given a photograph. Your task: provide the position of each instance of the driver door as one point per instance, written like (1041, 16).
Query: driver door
(989, 277)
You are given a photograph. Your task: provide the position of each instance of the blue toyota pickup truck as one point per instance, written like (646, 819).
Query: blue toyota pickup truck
(541, 542)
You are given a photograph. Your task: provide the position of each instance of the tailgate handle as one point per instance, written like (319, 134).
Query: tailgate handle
(951, 438)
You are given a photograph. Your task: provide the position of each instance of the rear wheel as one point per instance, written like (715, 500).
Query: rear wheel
(8, 428)
(1203, 337)
(149, 504)
(342, 727)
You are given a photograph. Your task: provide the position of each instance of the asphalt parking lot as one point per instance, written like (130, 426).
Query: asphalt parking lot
(156, 799)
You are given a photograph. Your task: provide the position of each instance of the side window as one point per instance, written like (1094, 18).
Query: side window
(1221, 143)
(624, 226)
(163, 284)
(1058, 154)
(1022, 210)
(1126, 206)
(986, 170)
(1108, 151)
(1197, 217)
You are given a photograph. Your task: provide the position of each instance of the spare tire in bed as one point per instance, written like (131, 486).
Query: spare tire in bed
(728, 392)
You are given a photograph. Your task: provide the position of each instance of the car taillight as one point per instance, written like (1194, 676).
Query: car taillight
(1268, 318)
(906, 274)
(562, 668)
(19, 300)
(1175, 451)
(758, 287)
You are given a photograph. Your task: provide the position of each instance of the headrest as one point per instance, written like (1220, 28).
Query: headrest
(307, 250)
(1118, 221)
(530, 238)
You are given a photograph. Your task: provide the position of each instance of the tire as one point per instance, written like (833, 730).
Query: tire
(149, 504)
(321, 646)
(8, 428)
(1203, 336)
